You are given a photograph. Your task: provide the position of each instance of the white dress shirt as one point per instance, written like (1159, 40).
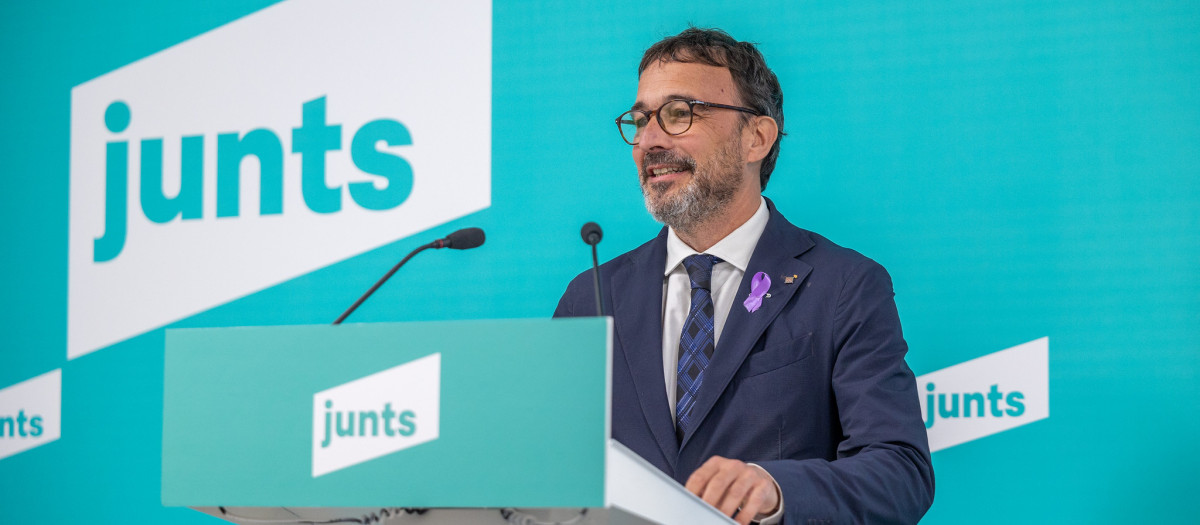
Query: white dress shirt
(734, 251)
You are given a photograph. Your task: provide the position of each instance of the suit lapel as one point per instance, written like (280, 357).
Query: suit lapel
(638, 313)
(776, 255)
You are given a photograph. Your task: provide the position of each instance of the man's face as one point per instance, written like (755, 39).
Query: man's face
(689, 177)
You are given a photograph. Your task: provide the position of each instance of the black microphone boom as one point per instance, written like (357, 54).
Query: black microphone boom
(592, 234)
(463, 239)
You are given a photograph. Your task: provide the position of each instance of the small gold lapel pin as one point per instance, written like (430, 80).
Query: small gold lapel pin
(789, 279)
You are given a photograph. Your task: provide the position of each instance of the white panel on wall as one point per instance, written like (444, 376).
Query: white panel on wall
(401, 130)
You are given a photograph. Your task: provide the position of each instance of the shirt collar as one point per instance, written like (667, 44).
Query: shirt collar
(736, 248)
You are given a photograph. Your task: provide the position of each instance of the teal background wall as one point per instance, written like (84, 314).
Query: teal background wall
(1023, 169)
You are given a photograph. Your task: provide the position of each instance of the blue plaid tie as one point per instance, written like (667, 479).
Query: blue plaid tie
(697, 341)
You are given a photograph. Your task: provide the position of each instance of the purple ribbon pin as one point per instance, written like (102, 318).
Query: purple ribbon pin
(758, 288)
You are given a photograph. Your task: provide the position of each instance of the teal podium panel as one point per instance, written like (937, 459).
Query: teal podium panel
(434, 414)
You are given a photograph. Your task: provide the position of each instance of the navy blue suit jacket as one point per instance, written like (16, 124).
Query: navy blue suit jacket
(812, 386)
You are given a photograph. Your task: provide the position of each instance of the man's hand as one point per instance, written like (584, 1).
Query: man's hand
(729, 484)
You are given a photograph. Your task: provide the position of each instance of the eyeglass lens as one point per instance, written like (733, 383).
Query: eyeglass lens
(675, 117)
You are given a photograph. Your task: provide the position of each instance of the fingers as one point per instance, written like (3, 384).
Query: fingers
(720, 485)
(735, 496)
(699, 479)
(730, 485)
(758, 502)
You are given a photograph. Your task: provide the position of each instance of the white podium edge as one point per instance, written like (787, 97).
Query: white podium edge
(635, 486)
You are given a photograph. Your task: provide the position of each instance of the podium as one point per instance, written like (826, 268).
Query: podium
(465, 421)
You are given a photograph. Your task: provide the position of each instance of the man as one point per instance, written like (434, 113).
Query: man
(759, 364)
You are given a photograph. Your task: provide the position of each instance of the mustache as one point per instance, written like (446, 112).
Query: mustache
(667, 157)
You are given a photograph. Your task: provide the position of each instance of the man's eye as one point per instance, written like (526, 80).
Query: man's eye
(677, 114)
(639, 120)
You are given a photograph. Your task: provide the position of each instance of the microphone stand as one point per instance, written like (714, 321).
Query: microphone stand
(596, 280)
(386, 276)
(592, 234)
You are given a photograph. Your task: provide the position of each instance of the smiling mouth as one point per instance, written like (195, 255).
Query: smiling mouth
(665, 164)
(657, 172)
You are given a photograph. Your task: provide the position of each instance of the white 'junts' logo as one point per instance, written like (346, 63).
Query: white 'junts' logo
(280, 143)
(377, 415)
(30, 413)
(986, 395)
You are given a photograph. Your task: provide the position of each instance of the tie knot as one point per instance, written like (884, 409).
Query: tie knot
(699, 268)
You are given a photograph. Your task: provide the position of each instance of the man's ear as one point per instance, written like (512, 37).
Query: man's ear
(759, 136)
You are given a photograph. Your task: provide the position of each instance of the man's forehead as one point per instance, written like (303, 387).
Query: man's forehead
(663, 81)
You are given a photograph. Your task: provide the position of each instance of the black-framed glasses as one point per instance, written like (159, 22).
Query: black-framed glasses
(674, 117)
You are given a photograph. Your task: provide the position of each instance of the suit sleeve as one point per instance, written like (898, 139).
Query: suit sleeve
(882, 472)
(568, 304)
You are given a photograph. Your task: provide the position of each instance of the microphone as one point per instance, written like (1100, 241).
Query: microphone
(592, 234)
(463, 239)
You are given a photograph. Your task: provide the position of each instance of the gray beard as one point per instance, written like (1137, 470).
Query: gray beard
(707, 195)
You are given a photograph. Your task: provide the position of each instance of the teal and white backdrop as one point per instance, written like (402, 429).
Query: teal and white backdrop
(1029, 172)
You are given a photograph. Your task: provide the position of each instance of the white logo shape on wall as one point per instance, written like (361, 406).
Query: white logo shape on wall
(30, 413)
(377, 415)
(280, 143)
(986, 395)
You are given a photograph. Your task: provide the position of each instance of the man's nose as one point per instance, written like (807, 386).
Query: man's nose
(653, 136)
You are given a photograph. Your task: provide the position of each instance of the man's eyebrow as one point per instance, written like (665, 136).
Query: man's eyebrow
(642, 106)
